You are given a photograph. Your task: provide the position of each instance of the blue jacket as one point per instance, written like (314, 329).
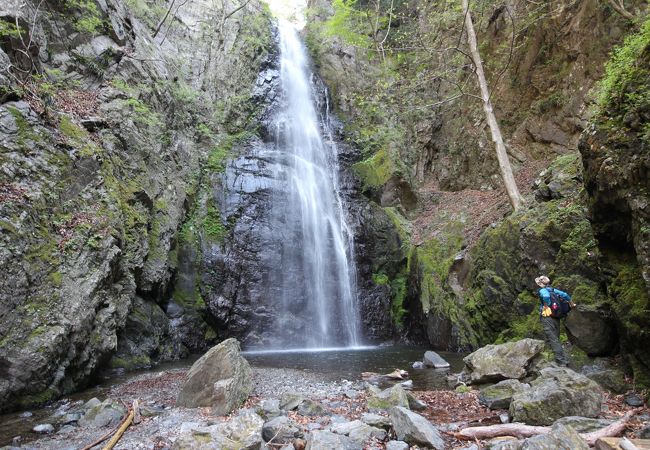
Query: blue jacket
(545, 296)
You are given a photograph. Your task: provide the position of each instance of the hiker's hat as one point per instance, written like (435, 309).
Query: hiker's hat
(542, 281)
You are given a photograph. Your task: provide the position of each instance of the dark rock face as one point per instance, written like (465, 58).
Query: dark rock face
(242, 276)
(95, 183)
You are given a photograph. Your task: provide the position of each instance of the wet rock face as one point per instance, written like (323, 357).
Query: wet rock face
(246, 276)
(95, 183)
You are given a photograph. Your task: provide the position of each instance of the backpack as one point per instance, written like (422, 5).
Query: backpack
(559, 306)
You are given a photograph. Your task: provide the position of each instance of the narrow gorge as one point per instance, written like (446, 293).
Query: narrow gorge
(175, 174)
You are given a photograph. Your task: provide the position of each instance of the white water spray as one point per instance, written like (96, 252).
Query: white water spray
(318, 273)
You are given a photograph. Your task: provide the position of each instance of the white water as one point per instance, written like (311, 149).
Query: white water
(318, 269)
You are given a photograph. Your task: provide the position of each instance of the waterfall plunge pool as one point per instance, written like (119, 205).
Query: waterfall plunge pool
(333, 364)
(349, 363)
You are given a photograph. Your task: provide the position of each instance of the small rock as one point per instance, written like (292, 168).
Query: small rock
(44, 428)
(65, 429)
(351, 394)
(397, 445)
(26, 414)
(270, 408)
(633, 399)
(289, 402)
(414, 403)
(151, 411)
(311, 408)
(504, 443)
(644, 433)
(432, 359)
(416, 365)
(504, 418)
(471, 447)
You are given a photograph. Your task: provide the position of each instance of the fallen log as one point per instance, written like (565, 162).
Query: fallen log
(123, 427)
(522, 430)
(614, 429)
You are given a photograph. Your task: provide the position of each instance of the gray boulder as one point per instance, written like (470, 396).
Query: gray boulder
(558, 392)
(415, 429)
(326, 440)
(358, 431)
(584, 424)
(432, 359)
(397, 445)
(270, 408)
(241, 432)
(290, 402)
(281, 429)
(592, 332)
(105, 414)
(608, 376)
(498, 396)
(221, 379)
(498, 362)
(504, 443)
(375, 420)
(561, 437)
(311, 408)
(386, 399)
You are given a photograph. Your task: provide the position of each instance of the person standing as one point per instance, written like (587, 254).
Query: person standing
(550, 317)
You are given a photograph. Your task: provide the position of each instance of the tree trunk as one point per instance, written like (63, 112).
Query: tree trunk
(521, 430)
(502, 155)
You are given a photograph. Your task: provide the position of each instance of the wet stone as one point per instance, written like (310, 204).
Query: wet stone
(44, 428)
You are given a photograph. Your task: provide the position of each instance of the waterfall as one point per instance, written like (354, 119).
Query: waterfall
(317, 274)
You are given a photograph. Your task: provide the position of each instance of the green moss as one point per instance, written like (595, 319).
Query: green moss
(56, 278)
(376, 170)
(630, 300)
(130, 363)
(37, 399)
(380, 278)
(220, 153)
(26, 133)
(78, 137)
(212, 224)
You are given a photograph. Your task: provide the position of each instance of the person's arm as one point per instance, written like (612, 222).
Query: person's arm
(545, 296)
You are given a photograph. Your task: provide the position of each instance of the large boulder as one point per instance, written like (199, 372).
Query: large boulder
(105, 414)
(498, 396)
(558, 392)
(499, 362)
(386, 399)
(432, 359)
(592, 332)
(280, 429)
(220, 379)
(609, 376)
(358, 431)
(414, 429)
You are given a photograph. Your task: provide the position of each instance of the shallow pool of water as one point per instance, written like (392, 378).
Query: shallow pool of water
(348, 364)
(333, 364)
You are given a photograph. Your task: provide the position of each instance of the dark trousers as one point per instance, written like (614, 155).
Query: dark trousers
(551, 328)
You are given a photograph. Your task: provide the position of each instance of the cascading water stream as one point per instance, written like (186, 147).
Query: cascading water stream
(318, 273)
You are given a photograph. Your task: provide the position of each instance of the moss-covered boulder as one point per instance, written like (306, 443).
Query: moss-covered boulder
(498, 396)
(498, 362)
(386, 399)
(556, 393)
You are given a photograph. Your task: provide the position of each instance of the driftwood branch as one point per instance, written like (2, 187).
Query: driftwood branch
(124, 426)
(521, 430)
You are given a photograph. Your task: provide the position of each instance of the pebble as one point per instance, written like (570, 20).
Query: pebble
(43, 428)
(26, 414)
(418, 365)
(633, 399)
(504, 418)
